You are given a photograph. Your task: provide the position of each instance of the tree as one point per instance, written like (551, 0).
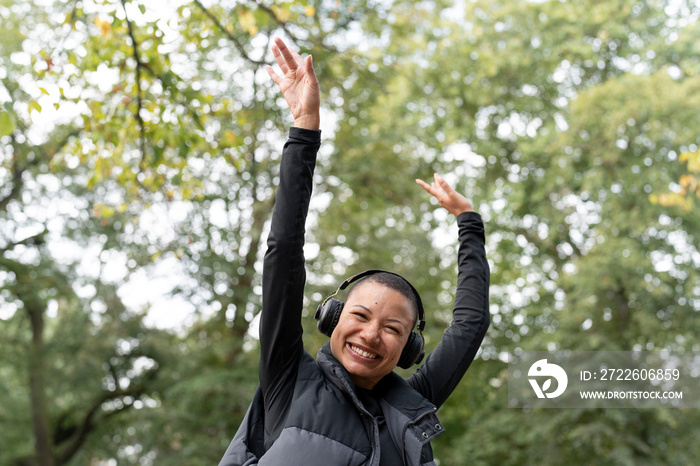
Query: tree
(76, 356)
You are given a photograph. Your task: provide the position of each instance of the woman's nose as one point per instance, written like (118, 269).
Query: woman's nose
(370, 331)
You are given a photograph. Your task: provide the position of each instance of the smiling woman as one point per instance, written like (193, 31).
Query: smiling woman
(348, 406)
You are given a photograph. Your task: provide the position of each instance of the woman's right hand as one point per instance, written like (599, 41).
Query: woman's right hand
(298, 84)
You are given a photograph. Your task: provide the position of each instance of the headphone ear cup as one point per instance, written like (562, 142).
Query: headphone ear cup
(413, 352)
(328, 315)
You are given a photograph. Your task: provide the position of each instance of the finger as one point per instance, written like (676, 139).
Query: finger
(430, 189)
(444, 185)
(437, 189)
(280, 59)
(309, 68)
(423, 184)
(287, 54)
(300, 61)
(272, 74)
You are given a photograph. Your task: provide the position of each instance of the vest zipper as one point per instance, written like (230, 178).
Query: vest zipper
(375, 427)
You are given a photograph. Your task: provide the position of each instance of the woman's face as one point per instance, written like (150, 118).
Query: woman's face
(372, 332)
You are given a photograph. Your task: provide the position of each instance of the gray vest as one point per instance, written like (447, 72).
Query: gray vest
(327, 425)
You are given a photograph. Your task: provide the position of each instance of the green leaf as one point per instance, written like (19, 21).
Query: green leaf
(34, 105)
(7, 124)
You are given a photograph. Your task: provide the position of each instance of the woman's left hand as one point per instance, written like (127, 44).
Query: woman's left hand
(448, 198)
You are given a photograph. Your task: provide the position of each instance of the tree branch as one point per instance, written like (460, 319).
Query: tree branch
(71, 438)
(16, 187)
(35, 240)
(230, 36)
(280, 23)
(78, 433)
(175, 93)
(139, 97)
(18, 171)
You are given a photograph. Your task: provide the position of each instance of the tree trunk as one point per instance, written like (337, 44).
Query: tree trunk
(40, 418)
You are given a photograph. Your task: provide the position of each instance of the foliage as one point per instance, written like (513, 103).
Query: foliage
(137, 136)
(688, 184)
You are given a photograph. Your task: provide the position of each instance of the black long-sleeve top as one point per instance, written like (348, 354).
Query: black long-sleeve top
(284, 278)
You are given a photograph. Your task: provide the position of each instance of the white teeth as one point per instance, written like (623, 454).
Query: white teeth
(362, 352)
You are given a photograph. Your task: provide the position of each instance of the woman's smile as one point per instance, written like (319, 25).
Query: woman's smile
(361, 352)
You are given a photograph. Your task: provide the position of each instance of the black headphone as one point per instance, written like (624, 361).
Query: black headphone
(328, 315)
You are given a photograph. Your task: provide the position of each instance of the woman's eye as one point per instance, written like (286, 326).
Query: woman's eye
(393, 330)
(360, 315)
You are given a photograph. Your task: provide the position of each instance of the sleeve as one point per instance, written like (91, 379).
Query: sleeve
(447, 363)
(284, 277)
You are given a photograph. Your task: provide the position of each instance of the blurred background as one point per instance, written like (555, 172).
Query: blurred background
(139, 151)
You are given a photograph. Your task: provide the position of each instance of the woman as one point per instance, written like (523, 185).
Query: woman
(348, 407)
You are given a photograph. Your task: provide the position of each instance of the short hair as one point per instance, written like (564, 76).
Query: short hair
(396, 283)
